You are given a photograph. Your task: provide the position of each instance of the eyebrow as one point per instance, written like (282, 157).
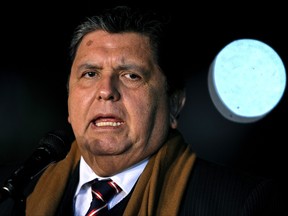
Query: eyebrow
(120, 67)
(89, 66)
(131, 66)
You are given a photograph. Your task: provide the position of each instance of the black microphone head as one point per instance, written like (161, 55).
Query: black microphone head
(57, 142)
(53, 147)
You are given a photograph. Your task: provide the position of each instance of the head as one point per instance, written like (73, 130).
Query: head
(124, 94)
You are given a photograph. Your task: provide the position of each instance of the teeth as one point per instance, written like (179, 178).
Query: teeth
(113, 124)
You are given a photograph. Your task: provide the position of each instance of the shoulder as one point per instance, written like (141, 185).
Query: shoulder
(206, 169)
(214, 188)
(214, 177)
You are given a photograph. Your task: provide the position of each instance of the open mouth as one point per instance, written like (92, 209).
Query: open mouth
(107, 122)
(113, 124)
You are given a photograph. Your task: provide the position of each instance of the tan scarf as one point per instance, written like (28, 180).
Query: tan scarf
(158, 191)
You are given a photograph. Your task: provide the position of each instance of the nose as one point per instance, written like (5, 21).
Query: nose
(108, 89)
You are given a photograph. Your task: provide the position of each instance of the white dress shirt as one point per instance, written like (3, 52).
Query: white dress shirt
(126, 180)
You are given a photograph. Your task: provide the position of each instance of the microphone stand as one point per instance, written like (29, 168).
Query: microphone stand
(16, 190)
(7, 192)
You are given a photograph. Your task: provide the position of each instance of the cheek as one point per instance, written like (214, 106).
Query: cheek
(149, 110)
(77, 104)
(72, 109)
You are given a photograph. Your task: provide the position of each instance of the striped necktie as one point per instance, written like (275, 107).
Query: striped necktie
(102, 192)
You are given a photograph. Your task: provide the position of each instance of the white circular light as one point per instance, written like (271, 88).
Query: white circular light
(246, 80)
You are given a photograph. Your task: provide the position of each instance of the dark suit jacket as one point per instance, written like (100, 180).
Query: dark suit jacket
(212, 190)
(215, 190)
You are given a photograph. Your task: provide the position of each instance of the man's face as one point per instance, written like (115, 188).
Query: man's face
(118, 103)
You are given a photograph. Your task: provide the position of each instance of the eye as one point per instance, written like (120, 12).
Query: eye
(89, 74)
(132, 76)
(131, 80)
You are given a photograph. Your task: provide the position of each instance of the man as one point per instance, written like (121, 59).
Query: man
(125, 94)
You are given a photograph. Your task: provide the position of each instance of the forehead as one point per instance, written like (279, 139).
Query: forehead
(98, 39)
(103, 47)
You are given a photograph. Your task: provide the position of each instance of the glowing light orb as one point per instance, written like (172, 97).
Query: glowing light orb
(246, 80)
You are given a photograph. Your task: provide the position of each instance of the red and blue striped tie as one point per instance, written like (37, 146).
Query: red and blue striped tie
(102, 192)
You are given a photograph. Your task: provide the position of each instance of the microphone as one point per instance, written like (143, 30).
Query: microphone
(53, 147)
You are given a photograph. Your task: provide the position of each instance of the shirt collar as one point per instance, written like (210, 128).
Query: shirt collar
(125, 179)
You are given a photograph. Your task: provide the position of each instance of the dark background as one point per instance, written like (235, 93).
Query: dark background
(34, 67)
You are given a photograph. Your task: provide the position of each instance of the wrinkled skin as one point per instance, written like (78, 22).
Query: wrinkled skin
(118, 104)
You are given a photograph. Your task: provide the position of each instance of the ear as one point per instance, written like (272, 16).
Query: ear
(177, 102)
